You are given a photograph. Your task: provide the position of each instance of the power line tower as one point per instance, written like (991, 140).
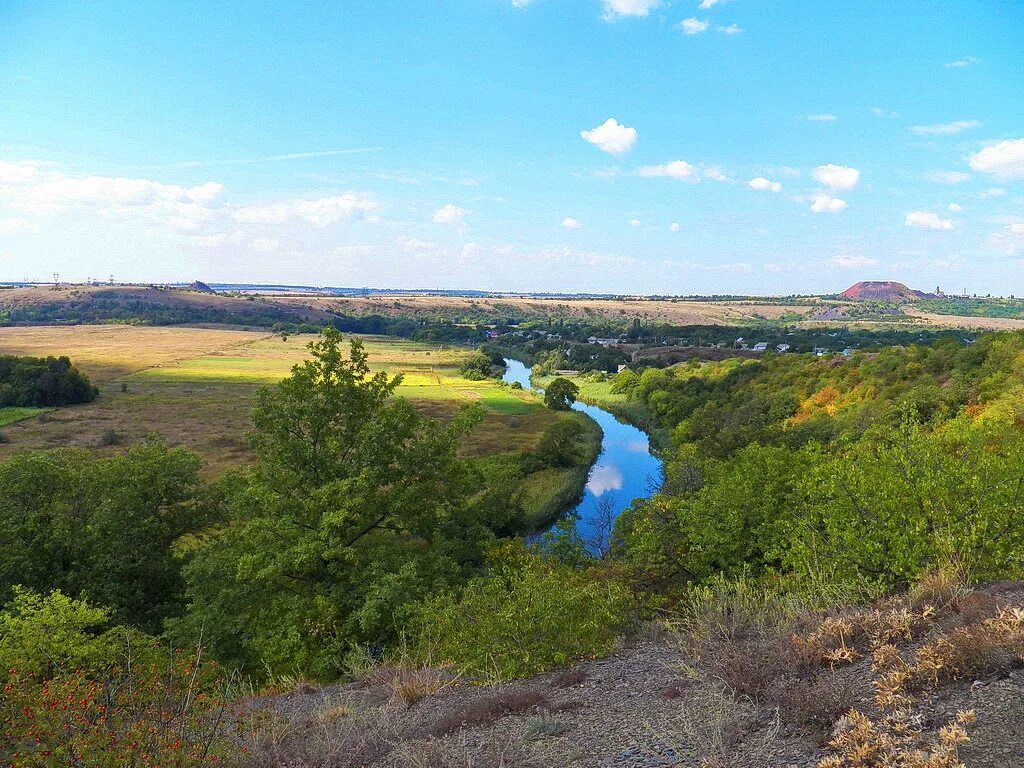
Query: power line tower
(56, 281)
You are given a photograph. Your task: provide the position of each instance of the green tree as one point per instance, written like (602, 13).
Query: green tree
(357, 508)
(731, 521)
(560, 394)
(559, 446)
(103, 528)
(476, 367)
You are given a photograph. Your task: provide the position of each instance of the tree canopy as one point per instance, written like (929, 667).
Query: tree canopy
(560, 394)
(358, 507)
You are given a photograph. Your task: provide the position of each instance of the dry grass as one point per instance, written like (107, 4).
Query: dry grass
(487, 709)
(715, 728)
(410, 686)
(194, 387)
(106, 352)
(568, 678)
(492, 750)
(325, 740)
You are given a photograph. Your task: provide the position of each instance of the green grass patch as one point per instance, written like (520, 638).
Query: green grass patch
(506, 403)
(12, 415)
(591, 391)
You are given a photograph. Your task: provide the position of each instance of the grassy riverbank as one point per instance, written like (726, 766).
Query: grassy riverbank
(595, 391)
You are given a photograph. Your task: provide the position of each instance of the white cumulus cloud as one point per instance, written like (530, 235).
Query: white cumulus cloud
(693, 26)
(677, 169)
(570, 223)
(823, 203)
(762, 184)
(927, 220)
(943, 129)
(1004, 159)
(674, 227)
(635, 222)
(729, 29)
(615, 9)
(611, 137)
(449, 214)
(955, 208)
(837, 177)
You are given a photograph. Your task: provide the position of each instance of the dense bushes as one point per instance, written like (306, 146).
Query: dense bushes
(875, 467)
(527, 615)
(104, 528)
(42, 382)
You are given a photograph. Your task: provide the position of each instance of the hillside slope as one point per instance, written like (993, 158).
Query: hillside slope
(735, 694)
(150, 304)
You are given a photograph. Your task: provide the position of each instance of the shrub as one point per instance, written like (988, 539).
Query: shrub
(167, 714)
(41, 634)
(526, 616)
(108, 437)
(75, 697)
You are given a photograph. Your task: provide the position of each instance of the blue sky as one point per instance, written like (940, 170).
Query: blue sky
(681, 146)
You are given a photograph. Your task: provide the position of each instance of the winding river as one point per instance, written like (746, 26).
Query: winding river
(625, 469)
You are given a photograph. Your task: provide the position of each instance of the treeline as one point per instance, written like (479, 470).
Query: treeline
(42, 382)
(133, 311)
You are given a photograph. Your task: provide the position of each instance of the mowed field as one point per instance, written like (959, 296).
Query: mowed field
(194, 387)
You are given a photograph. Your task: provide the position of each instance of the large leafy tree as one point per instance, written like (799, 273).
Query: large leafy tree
(357, 508)
(560, 394)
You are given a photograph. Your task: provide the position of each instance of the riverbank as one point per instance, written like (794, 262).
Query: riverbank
(597, 392)
(624, 470)
(550, 493)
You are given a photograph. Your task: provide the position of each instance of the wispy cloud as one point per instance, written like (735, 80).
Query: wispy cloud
(950, 178)
(824, 117)
(854, 262)
(966, 61)
(885, 114)
(943, 129)
(617, 9)
(271, 158)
